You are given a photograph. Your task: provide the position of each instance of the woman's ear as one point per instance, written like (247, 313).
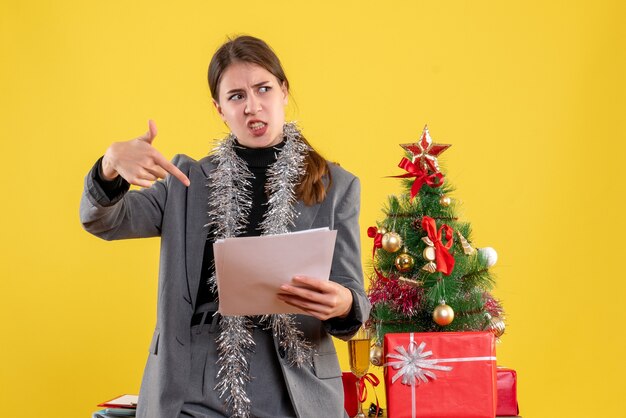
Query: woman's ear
(219, 109)
(285, 91)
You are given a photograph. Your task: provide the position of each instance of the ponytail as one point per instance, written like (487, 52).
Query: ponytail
(312, 189)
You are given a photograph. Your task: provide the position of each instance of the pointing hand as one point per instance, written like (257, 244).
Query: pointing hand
(138, 162)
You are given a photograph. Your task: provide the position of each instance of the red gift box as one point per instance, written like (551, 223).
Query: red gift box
(507, 392)
(349, 393)
(440, 375)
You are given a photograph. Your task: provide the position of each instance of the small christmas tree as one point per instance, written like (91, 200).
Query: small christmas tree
(426, 273)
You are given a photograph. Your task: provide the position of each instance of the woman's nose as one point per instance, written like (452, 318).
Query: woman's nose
(253, 105)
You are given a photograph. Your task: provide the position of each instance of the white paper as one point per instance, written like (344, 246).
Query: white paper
(125, 400)
(250, 270)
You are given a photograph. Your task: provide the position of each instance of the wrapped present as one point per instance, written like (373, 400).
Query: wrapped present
(349, 393)
(440, 374)
(507, 392)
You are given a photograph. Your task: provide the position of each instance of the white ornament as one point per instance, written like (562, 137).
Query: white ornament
(489, 255)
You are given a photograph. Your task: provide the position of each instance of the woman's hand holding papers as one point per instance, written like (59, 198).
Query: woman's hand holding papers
(322, 299)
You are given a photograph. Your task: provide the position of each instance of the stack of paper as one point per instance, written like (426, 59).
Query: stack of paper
(122, 406)
(250, 270)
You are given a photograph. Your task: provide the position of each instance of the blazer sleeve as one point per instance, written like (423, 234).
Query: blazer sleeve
(128, 214)
(346, 268)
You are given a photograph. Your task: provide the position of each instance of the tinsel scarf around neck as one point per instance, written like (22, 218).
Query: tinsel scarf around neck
(229, 206)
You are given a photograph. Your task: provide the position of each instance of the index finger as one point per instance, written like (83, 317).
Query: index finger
(311, 282)
(172, 169)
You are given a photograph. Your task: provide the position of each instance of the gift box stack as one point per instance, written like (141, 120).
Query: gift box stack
(506, 382)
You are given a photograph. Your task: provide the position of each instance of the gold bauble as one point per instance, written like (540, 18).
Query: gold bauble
(445, 201)
(429, 253)
(404, 262)
(392, 242)
(376, 355)
(497, 326)
(382, 230)
(443, 314)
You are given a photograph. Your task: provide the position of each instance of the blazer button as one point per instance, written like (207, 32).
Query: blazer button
(281, 352)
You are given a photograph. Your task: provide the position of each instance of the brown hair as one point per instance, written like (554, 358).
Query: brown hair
(253, 50)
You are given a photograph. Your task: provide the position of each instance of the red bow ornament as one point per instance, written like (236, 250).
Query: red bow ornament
(372, 232)
(421, 176)
(444, 260)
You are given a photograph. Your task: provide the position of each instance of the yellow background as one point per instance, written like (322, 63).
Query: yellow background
(530, 94)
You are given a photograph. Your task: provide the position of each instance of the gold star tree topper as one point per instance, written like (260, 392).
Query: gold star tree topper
(425, 152)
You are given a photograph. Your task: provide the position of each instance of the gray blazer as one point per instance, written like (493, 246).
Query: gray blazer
(178, 215)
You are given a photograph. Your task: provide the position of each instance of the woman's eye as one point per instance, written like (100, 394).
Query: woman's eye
(264, 89)
(236, 97)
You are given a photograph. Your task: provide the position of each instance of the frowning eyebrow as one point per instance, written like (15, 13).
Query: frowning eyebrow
(240, 90)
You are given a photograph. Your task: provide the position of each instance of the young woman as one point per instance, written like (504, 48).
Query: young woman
(264, 178)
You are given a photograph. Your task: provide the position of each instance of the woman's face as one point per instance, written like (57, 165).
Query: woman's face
(252, 103)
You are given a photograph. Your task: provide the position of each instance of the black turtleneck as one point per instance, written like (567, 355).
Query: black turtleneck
(258, 161)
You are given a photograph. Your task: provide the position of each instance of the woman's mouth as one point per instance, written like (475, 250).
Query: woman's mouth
(257, 127)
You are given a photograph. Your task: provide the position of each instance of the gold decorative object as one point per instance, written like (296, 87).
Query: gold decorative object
(404, 262)
(443, 314)
(467, 248)
(445, 201)
(376, 355)
(392, 242)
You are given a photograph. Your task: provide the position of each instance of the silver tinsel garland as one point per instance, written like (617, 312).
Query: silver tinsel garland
(229, 206)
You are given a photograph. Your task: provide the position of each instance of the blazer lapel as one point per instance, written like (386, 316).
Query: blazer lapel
(196, 231)
(306, 216)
